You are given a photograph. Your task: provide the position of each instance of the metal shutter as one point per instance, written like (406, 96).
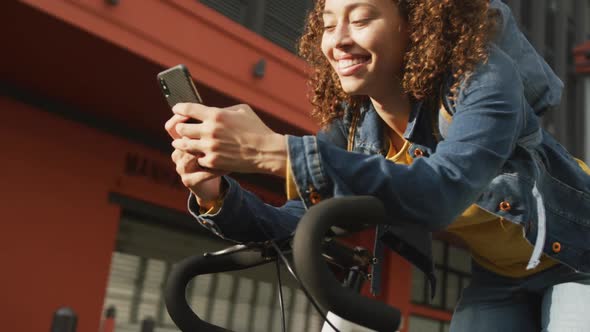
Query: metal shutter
(234, 9)
(247, 300)
(283, 21)
(121, 284)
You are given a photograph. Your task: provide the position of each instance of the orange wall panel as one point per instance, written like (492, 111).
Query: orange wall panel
(58, 227)
(219, 52)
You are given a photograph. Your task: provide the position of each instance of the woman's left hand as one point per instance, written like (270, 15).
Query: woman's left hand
(232, 139)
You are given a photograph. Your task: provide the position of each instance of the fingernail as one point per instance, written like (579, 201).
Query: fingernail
(178, 108)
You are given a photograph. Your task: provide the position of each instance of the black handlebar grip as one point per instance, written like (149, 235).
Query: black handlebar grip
(314, 273)
(182, 273)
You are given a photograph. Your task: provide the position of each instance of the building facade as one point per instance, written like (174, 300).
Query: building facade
(94, 215)
(555, 27)
(102, 221)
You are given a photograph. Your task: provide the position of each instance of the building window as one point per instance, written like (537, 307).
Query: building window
(453, 273)
(423, 324)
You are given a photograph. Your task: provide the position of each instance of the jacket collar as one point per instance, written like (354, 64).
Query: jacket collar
(415, 116)
(370, 131)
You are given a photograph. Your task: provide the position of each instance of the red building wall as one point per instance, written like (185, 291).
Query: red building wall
(59, 228)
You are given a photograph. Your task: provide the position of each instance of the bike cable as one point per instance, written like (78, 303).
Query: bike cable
(282, 304)
(305, 291)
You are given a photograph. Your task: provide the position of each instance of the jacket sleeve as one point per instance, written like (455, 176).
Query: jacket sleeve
(432, 190)
(243, 217)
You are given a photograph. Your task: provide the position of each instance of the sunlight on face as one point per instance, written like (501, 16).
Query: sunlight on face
(364, 41)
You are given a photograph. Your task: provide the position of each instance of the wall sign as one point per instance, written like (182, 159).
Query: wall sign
(152, 170)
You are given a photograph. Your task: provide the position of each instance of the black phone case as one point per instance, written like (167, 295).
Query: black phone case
(177, 86)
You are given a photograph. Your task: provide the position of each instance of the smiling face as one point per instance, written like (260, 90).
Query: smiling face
(364, 41)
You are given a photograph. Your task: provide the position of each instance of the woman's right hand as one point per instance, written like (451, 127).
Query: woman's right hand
(204, 183)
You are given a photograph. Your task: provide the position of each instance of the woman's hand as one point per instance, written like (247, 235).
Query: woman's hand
(203, 183)
(232, 139)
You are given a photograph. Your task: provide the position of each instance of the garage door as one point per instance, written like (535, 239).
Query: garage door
(246, 301)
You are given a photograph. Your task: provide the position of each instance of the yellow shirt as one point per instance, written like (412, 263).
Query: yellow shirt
(496, 244)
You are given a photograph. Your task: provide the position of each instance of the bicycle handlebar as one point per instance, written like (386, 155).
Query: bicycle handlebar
(314, 274)
(175, 296)
(310, 253)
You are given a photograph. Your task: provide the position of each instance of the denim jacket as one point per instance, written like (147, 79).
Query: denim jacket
(491, 151)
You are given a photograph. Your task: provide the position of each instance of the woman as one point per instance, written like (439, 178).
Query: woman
(431, 106)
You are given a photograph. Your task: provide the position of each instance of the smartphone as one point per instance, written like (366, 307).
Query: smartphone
(177, 86)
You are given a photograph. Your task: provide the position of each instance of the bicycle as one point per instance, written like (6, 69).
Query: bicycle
(311, 246)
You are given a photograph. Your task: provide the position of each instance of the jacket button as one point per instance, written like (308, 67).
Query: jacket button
(314, 197)
(556, 247)
(418, 152)
(505, 206)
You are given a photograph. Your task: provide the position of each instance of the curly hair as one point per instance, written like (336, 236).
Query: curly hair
(444, 36)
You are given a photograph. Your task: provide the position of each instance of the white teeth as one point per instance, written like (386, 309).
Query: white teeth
(344, 63)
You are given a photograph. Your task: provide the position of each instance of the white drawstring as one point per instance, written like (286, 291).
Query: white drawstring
(540, 241)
